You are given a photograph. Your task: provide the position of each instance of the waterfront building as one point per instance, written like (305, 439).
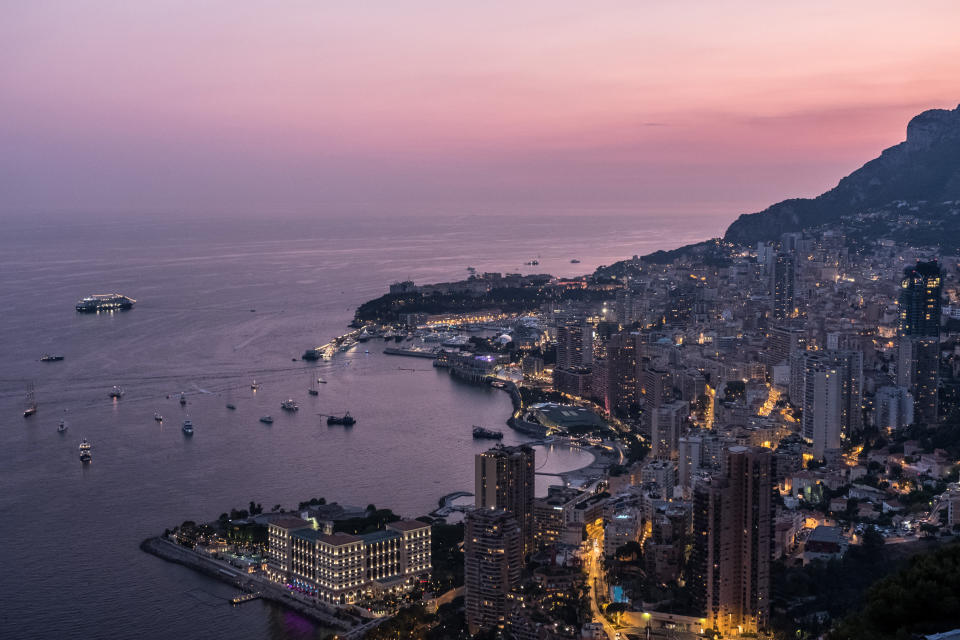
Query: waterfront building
(734, 542)
(919, 310)
(504, 479)
(340, 568)
(279, 545)
(563, 417)
(493, 561)
(475, 367)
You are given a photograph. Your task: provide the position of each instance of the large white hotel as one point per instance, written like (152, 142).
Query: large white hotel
(340, 568)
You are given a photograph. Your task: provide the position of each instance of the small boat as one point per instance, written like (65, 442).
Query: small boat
(188, 427)
(254, 385)
(488, 434)
(183, 399)
(321, 381)
(231, 406)
(62, 426)
(30, 406)
(85, 451)
(346, 419)
(116, 392)
(289, 405)
(266, 420)
(50, 358)
(313, 392)
(574, 261)
(157, 416)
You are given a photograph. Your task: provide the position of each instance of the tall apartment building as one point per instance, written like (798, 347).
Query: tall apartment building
(493, 560)
(920, 305)
(551, 514)
(734, 520)
(667, 425)
(782, 286)
(574, 345)
(656, 387)
(339, 568)
(504, 479)
(828, 385)
(621, 379)
(784, 342)
(892, 408)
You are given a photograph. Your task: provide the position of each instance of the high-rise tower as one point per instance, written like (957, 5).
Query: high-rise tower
(734, 542)
(493, 560)
(919, 331)
(505, 480)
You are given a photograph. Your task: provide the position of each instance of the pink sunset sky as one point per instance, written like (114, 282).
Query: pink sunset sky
(314, 106)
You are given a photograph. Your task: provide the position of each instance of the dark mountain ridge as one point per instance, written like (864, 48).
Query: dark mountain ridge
(926, 166)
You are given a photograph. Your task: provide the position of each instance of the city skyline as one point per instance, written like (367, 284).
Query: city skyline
(429, 108)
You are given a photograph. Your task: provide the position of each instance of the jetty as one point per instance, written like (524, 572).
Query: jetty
(245, 597)
(412, 352)
(250, 583)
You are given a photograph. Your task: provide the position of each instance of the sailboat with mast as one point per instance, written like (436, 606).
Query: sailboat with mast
(30, 403)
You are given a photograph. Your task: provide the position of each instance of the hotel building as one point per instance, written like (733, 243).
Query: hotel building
(339, 568)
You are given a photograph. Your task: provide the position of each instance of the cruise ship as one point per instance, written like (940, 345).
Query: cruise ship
(105, 302)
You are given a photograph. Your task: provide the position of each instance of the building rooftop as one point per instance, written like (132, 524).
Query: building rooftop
(307, 534)
(824, 533)
(289, 522)
(339, 539)
(564, 415)
(407, 525)
(378, 536)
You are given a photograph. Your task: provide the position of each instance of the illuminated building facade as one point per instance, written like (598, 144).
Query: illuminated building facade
(493, 561)
(920, 306)
(504, 479)
(734, 542)
(339, 568)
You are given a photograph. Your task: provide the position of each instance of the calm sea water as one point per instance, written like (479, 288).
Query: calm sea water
(72, 567)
